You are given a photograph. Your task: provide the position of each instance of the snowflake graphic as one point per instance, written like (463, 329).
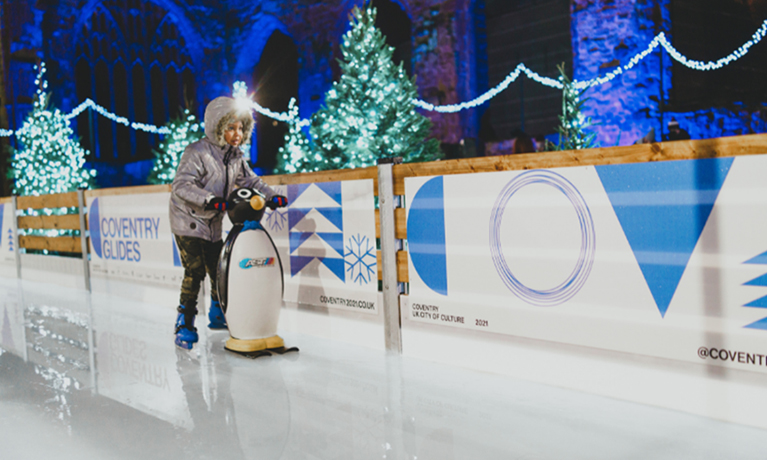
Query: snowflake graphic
(360, 258)
(277, 219)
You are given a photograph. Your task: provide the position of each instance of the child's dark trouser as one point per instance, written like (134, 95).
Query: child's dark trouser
(198, 256)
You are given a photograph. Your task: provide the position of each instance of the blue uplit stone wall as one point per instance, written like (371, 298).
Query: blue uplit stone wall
(448, 48)
(605, 35)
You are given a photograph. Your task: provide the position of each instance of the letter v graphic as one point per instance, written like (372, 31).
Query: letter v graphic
(662, 208)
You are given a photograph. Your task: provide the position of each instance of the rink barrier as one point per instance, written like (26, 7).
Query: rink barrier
(390, 193)
(641, 153)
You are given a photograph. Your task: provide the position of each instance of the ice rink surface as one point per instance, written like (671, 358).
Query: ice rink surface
(129, 393)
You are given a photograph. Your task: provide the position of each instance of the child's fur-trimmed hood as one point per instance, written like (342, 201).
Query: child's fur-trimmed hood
(220, 113)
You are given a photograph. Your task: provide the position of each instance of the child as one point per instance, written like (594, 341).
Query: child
(207, 173)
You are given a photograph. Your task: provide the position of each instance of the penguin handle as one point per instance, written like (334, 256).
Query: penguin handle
(257, 202)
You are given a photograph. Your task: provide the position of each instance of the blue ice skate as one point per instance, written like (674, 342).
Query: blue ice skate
(186, 333)
(216, 316)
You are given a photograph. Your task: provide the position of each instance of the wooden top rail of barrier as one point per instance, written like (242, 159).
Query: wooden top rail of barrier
(640, 153)
(326, 176)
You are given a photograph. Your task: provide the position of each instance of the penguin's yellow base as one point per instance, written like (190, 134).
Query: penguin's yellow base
(247, 346)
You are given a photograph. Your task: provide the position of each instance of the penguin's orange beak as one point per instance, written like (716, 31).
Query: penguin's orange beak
(257, 202)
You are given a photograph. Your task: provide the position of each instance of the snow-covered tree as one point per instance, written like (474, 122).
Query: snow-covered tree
(295, 155)
(369, 113)
(183, 131)
(51, 159)
(574, 126)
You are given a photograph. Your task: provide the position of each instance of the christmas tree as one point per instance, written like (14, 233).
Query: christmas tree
(294, 156)
(183, 131)
(369, 113)
(573, 129)
(51, 160)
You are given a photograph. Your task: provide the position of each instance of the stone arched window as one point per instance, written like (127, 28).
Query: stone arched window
(132, 60)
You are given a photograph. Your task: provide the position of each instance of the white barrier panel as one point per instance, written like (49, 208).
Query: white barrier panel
(131, 240)
(327, 242)
(665, 259)
(11, 317)
(61, 271)
(7, 254)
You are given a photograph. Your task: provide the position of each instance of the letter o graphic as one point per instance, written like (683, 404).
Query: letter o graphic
(580, 273)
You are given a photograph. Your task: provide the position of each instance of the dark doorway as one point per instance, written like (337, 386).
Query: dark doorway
(275, 81)
(394, 23)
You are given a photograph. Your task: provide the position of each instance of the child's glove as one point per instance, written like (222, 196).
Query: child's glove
(278, 201)
(217, 204)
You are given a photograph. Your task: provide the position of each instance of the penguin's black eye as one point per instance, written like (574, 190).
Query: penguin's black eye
(244, 193)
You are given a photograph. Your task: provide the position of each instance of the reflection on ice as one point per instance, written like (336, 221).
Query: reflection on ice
(99, 377)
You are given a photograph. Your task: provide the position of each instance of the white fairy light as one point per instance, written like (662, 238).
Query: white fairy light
(658, 40)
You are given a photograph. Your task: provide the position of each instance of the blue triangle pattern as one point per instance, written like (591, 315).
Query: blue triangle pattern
(333, 190)
(761, 324)
(297, 239)
(758, 303)
(336, 266)
(176, 257)
(2, 210)
(663, 207)
(295, 190)
(758, 281)
(335, 240)
(761, 259)
(297, 263)
(94, 226)
(334, 215)
(295, 215)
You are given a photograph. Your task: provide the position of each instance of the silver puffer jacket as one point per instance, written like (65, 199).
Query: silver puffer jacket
(201, 174)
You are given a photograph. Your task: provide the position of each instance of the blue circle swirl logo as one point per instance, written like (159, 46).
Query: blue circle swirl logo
(577, 278)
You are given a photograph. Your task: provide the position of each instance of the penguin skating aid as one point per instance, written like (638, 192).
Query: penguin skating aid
(250, 283)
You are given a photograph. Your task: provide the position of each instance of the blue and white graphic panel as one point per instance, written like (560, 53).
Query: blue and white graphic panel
(7, 254)
(663, 259)
(725, 277)
(327, 243)
(131, 240)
